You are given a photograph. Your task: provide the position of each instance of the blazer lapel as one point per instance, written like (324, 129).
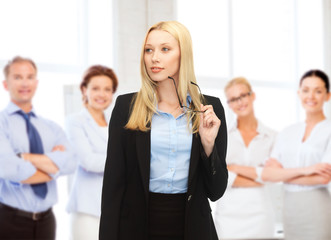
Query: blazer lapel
(143, 143)
(93, 124)
(195, 156)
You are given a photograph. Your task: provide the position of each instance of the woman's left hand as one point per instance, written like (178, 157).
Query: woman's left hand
(208, 129)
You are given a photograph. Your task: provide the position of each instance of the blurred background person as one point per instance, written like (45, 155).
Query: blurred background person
(245, 211)
(34, 152)
(88, 133)
(301, 158)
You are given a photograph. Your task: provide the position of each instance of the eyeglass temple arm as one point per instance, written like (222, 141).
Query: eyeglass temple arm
(196, 85)
(173, 80)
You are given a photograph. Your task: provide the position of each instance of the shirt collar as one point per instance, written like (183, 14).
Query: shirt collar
(12, 108)
(261, 128)
(233, 126)
(188, 102)
(85, 112)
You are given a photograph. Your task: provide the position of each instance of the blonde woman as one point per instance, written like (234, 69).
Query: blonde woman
(166, 149)
(301, 159)
(245, 211)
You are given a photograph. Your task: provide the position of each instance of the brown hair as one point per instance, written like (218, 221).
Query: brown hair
(98, 70)
(17, 59)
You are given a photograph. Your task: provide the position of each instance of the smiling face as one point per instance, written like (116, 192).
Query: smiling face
(240, 99)
(21, 83)
(313, 94)
(162, 56)
(99, 92)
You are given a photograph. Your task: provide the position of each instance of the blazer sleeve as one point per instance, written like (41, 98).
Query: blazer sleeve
(114, 175)
(215, 169)
(89, 158)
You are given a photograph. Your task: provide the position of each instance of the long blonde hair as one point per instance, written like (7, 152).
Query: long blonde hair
(144, 103)
(238, 80)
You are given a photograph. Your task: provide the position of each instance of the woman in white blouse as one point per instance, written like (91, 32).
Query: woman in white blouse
(245, 211)
(301, 159)
(88, 133)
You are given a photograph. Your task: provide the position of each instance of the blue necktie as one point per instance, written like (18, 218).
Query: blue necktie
(36, 146)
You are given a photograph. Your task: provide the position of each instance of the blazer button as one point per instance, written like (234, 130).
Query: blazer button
(189, 198)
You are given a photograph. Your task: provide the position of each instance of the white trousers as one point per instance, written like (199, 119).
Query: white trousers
(307, 215)
(84, 227)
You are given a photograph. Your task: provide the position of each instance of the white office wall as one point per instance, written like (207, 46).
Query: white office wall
(266, 42)
(63, 37)
(131, 21)
(271, 43)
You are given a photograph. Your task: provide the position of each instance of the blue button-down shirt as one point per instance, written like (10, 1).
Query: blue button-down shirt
(171, 142)
(13, 170)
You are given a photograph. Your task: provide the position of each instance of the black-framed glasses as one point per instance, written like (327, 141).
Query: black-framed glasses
(237, 99)
(188, 109)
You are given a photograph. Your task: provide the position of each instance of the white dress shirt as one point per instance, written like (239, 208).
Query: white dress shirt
(246, 212)
(292, 152)
(90, 143)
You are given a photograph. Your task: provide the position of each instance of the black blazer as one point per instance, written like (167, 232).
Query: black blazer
(124, 208)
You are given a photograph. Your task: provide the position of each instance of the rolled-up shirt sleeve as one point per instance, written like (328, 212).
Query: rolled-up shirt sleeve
(231, 178)
(12, 167)
(327, 154)
(64, 160)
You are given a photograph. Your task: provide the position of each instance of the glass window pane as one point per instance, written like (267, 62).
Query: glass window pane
(310, 35)
(263, 39)
(274, 111)
(4, 99)
(46, 31)
(100, 33)
(276, 108)
(207, 22)
(49, 98)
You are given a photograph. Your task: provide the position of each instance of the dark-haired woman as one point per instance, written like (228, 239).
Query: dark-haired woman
(88, 133)
(301, 159)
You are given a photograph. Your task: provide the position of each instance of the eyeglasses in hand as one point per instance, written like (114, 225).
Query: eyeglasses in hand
(188, 109)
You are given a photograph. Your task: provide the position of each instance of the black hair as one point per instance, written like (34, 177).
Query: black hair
(317, 73)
